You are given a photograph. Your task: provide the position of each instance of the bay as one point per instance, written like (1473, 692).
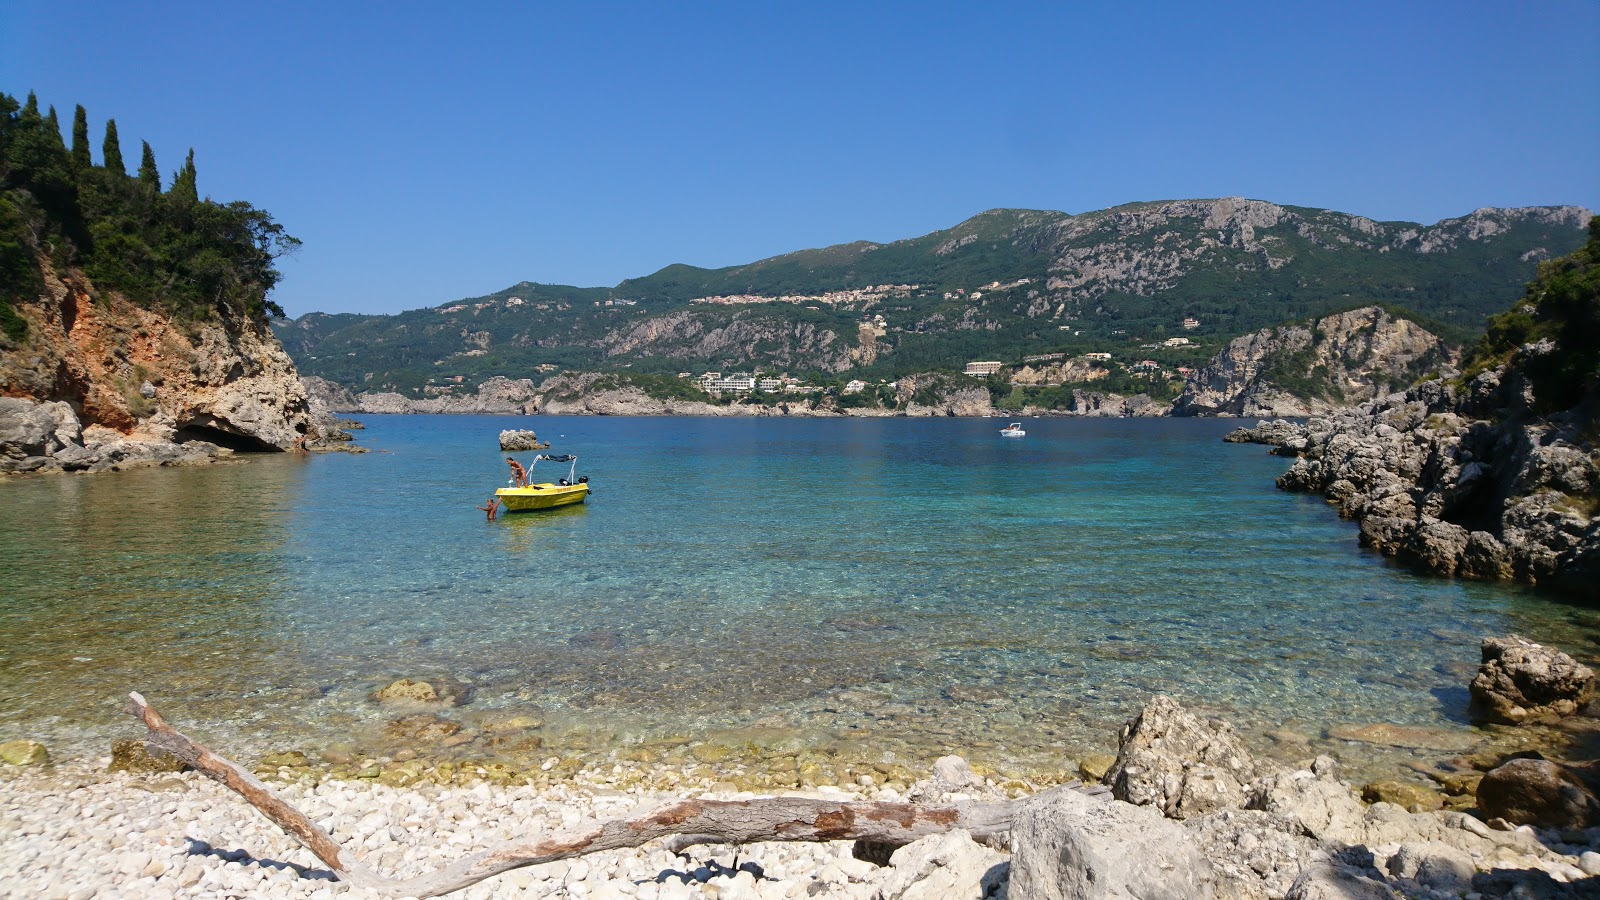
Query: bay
(856, 587)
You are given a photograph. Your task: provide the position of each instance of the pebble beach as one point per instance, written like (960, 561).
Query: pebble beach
(77, 833)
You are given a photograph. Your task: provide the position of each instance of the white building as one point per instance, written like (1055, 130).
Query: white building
(984, 368)
(855, 387)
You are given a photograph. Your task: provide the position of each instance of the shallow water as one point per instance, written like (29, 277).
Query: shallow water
(857, 586)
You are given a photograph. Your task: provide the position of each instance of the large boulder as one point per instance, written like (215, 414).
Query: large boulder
(1521, 682)
(1179, 763)
(1067, 846)
(1538, 792)
(30, 428)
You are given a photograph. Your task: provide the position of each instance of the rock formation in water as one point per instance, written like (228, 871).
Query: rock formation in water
(100, 383)
(1314, 368)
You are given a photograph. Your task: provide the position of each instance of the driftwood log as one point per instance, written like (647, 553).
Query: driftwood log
(689, 821)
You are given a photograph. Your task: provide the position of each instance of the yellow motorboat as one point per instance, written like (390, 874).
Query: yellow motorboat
(537, 496)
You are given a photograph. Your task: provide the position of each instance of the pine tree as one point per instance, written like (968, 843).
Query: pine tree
(149, 175)
(111, 149)
(183, 184)
(80, 138)
(31, 108)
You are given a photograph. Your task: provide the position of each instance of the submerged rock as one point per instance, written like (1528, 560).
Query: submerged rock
(1410, 797)
(439, 690)
(131, 755)
(24, 753)
(1522, 682)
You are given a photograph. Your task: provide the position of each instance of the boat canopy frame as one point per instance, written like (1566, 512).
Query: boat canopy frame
(572, 473)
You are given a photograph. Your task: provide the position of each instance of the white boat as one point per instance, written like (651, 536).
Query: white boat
(1012, 430)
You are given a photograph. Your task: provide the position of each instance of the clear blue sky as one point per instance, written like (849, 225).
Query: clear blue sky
(428, 151)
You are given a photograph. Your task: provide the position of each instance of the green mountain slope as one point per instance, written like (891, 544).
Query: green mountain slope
(1001, 285)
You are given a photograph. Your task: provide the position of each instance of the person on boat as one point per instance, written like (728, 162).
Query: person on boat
(519, 475)
(493, 509)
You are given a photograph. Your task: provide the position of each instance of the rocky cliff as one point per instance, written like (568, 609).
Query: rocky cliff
(1313, 368)
(1439, 479)
(99, 383)
(1496, 476)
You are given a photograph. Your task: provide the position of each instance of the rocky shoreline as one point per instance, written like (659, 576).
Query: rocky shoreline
(1191, 813)
(1457, 482)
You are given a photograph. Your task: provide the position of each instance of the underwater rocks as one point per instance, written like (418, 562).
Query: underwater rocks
(23, 753)
(131, 755)
(439, 690)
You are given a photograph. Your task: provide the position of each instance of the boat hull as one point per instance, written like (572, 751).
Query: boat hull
(535, 497)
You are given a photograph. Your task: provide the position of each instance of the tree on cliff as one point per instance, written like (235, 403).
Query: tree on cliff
(193, 258)
(80, 138)
(1553, 333)
(185, 187)
(149, 175)
(111, 148)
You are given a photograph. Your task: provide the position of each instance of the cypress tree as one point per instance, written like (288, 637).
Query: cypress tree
(149, 175)
(53, 122)
(183, 184)
(80, 138)
(111, 149)
(31, 108)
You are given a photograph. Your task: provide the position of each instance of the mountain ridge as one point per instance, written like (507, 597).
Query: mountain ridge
(1000, 284)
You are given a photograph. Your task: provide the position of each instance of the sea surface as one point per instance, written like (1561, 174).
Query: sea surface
(873, 588)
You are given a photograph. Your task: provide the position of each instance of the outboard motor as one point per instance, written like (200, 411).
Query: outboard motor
(583, 479)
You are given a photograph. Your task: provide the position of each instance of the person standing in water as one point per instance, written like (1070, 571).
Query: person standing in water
(493, 509)
(519, 475)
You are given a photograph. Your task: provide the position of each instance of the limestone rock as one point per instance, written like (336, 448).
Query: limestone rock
(1475, 484)
(1066, 846)
(515, 440)
(1352, 357)
(23, 753)
(1537, 792)
(1179, 763)
(1434, 865)
(1317, 805)
(1521, 682)
(1256, 854)
(949, 866)
(1329, 881)
(131, 755)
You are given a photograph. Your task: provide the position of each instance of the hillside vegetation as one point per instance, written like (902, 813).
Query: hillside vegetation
(167, 250)
(1003, 285)
(1553, 334)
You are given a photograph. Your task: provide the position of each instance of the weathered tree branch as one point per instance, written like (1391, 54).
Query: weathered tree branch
(721, 821)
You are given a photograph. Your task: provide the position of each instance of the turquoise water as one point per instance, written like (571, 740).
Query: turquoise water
(901, 585)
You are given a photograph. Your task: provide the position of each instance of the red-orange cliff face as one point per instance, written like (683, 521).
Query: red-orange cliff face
(130, 376)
